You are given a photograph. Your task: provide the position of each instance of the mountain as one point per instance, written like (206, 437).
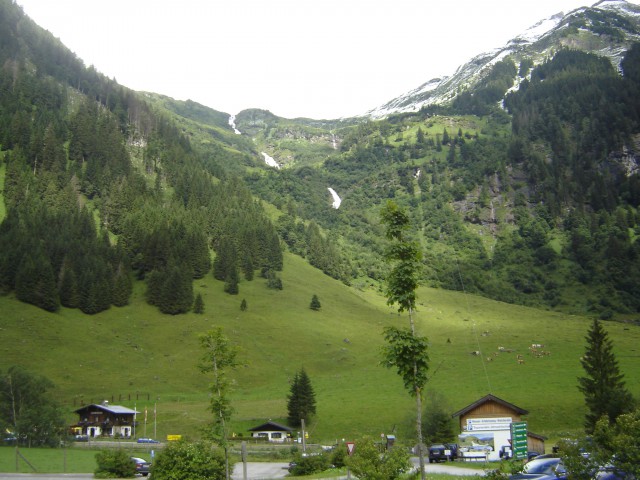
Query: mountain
(519, 171)
(539, 135)
(582, 28)
(131, 222)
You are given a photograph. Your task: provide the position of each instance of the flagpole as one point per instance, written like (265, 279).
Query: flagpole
(135, 413)
(155, 425)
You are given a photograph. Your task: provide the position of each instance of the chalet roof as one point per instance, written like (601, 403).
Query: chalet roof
(271, 427)
(490, 398)
(115, 409)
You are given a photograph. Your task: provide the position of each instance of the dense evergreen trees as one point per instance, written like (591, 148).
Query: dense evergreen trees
(60, 154)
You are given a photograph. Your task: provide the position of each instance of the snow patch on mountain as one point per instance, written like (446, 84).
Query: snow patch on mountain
(270, 160)
(539, 30)
(336, 199)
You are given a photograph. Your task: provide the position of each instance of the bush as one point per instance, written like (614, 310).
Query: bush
(369, 463)
(114, 464)
(310, 464)
(339, 455)
(189, 461)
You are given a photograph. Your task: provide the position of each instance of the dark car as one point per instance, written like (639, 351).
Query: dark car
(542, 468)
(611, 473)
(442, 452)
(142, 466)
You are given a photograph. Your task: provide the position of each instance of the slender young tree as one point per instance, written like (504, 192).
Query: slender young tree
(603, 385)
(301, 401)
(219, 356)
(405, 351)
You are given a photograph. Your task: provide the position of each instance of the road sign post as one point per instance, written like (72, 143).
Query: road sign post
(519, 440)
(350, 447)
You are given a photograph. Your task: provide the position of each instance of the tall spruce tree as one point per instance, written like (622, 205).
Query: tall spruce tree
(301, 401)
(603, 385)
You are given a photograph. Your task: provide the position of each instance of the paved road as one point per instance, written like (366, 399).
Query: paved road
(255, 471)
(46, 476)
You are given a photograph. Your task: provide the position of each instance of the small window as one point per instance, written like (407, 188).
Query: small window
(276, 435)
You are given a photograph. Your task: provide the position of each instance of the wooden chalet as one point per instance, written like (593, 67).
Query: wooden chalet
(97, 420)
(272, 432)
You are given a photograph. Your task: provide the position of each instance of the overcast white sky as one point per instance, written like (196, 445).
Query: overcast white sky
(312, 58)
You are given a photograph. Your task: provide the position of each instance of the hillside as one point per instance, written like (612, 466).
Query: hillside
(121, 209)
(132, 352)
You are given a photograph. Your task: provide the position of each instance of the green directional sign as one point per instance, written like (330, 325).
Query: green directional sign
(519, 440)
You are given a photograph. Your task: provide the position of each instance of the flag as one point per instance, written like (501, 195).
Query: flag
(145, 414)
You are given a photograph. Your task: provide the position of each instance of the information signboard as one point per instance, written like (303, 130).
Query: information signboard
(519, 440)
(488, 424)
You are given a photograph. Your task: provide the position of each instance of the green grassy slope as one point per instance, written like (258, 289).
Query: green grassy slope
(135, 356)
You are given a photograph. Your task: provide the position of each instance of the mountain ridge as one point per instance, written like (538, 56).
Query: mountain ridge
(441, 90)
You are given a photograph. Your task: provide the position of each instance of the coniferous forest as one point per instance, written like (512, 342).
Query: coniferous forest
(527, 195)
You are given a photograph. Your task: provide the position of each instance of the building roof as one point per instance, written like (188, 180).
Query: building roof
(115, 409)
(271, 427)
(490, 398)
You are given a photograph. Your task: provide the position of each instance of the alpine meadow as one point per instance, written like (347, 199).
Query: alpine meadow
(132, 224)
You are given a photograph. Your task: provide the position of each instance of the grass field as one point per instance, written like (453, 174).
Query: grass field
(137, 357)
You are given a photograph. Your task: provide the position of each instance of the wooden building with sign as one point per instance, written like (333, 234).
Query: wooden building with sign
(97, 420)
(486, 425)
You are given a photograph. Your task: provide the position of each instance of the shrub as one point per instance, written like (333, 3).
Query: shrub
(189, 461)
(114, 464)
(310, 464)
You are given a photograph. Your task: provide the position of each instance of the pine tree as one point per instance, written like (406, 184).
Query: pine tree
(122, 287)
(35, 282)
(315, 303)
(198, 305)
(603, 386)
(177, 290)
(231, 282)
(301, 401)
(68, 285)
(243, 305)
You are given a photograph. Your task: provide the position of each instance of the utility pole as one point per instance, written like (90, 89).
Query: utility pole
(304, 441)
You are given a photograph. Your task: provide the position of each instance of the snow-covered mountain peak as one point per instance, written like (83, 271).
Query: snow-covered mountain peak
(536, 43)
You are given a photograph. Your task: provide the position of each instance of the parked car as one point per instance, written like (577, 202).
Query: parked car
(611, 473)
(442, 452)
(142, 466)
(147, 440)
(542, 468)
